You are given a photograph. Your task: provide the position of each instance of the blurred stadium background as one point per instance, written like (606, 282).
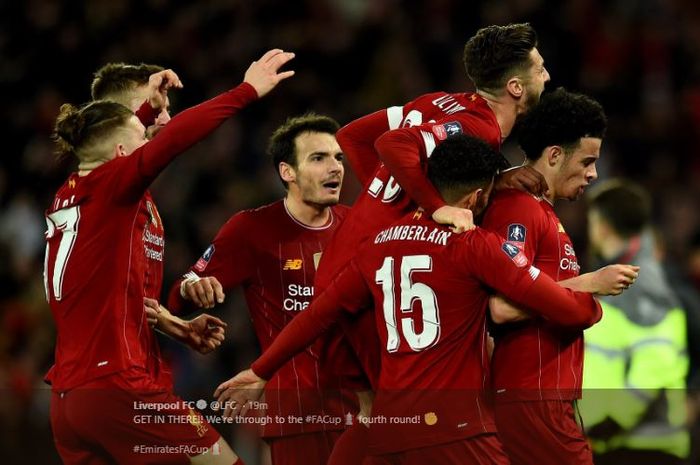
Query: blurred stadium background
(640, 58)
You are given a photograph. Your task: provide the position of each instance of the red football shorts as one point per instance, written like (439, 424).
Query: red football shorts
(542, 432)
(484, 449)
(307, 448)
(126, 418)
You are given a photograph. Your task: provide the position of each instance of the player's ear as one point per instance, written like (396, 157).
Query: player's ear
(287, 172)
(470, 200)
(515, 87)
(554, 154)
(120, 151)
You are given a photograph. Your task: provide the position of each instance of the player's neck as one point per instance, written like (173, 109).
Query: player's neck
(85, 168)
(312, 215)
(505, 111)
(551, 195)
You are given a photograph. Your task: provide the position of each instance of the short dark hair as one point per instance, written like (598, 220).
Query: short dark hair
(495, 53)
(561, 118)
(77, 129)
(116, 78)
(624, 205)
(281, 147)
(461, 164)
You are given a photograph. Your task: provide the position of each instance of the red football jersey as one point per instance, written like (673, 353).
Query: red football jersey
(534, 359)
(416, 128)
(274, 258)
(430, 289)
(425, 121)
(104, 252)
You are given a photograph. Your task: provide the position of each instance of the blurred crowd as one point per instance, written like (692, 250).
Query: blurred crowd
(641, 59)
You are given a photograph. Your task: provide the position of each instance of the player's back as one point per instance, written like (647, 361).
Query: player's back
(431, 317)
(104, 254)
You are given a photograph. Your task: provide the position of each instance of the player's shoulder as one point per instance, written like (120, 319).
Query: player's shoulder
(514, 200)
(257, 217)
(469, 246)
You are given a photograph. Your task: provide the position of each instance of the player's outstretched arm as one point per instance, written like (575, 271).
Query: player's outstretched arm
(202, 334)
(505, 311)
(236, 394)
(347, 293)
(608, 280)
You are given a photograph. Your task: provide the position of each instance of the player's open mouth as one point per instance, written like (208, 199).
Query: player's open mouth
(332, 184)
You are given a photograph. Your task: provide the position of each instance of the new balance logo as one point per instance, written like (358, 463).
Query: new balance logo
(293, 264)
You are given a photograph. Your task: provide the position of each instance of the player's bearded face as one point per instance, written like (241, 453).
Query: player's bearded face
(537, 77)
(578, 169)
(319, 171)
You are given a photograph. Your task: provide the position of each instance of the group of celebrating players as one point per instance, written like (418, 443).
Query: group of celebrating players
(385, 309)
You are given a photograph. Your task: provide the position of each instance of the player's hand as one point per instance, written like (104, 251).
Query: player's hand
(236, 394)
(504, 311)
(204, 333)
(263, 74)
(461, 219)
(204, 292)
(158, 85)
(613, 279)
(524, 178)
(152, 309)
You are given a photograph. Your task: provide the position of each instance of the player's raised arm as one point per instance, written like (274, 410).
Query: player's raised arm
(195, 123)
(357, 140)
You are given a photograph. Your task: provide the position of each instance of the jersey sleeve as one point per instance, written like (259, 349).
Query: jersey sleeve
(503, 267)
(405, 152)
(518, 219)
(135, 172)
(357, 141)
(347, 293)
(147, 114)
(229, 259)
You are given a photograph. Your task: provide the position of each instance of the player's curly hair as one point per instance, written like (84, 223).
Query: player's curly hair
(496, 53)
(561, 118)
(461, 164)
(625, 205)
(281, 147)
(78, 128)
(113, 79)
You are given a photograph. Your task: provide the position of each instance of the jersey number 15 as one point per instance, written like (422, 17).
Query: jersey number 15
(409, 293)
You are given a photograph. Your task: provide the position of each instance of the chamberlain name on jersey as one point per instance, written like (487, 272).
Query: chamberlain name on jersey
(406, 232)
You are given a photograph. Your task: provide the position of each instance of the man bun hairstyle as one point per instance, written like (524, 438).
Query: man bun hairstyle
(78, 128)
(461, 164)
(560, 118)
(281, 147)
(496, 53)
